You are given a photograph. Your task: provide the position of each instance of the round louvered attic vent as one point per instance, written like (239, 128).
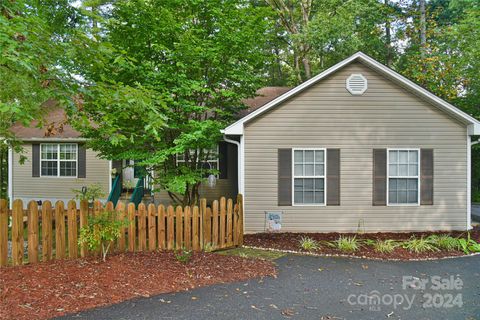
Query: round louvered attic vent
(356, 84)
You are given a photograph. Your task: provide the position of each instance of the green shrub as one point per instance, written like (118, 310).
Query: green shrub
(419, 245)
(90, 193)
(445, 242)
(183, 255)
(101, 231)
(347, 244)
(309, 244)
(385, 246)
(468, 245)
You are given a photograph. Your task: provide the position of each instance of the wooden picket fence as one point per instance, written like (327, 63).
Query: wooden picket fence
(52, 232)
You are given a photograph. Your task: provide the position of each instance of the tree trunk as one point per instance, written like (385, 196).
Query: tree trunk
(307, 68)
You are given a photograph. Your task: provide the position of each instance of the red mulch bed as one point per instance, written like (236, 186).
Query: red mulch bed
(291, 241)
(46, 290)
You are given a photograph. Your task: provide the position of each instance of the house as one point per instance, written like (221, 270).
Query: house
(356, 148)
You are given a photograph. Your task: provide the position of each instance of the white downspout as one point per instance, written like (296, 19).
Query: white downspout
(239, 162)
(10, 177)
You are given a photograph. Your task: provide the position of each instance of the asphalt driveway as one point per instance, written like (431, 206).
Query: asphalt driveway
(324, 288)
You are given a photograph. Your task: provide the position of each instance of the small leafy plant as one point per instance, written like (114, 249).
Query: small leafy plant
(101, 231)
(183, 255)
(347, 244)
(384, 246)
(309, 244)
(90, 193)
(419, 245)
(445, 242)
(469, 245)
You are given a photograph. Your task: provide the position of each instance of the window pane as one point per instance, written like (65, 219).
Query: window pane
(403, 156)
(298, 191)
(319, 156)
(393, 170)
(402, 196)
(393, 156)
(412, 196)
(413, 170)
(392, 196)
(402, 190)
(298, 184)
(308, 156)
(68, 168)
(68, 151)
(319, 184)
(413, 157)
(298, 170)
(412, 184)
(298, 156)
(319, 197)
(403, 170)
(49, 168)
(309, 170)
(298, 197)
(49, 151)
(319, 170)
(308, 184)
(308, 197)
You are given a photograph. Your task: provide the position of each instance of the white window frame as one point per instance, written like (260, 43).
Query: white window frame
(324, 178)
(403, 177)
(216, 161)
(58, 160)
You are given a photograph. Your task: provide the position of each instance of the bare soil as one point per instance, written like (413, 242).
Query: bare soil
(291, 241)
(46, 290)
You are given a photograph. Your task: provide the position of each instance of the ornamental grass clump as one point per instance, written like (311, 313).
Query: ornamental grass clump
(308, 244)
(101, 231)
(385, 246)
(419, 245)
(445, 242)
(347, 244)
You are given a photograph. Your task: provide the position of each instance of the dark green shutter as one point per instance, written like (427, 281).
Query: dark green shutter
(35, 160)
(426, 176)
(223, 159)
(333, 177)
(82, 161)
(284, 177)
(379, 194)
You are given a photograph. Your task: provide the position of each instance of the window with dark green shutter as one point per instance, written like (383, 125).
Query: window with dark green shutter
(284, 177)
(379, 194)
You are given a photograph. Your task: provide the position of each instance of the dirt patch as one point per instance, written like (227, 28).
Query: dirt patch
(46, 290)
(291, 241)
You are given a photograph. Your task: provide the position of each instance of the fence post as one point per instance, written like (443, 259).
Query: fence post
(72, 229)
(32, 225)
(121, 217)
(203, 216)
(3, 232)
(17, 232)
(59, 230)
(170, 228)
(240, 219)
(161, 227)
(222, 221)
(152, 229)
(83, 223)
(131, 227)
(47, 231)
(179, 228)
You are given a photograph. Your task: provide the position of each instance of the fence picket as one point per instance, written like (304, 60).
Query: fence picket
(3, 232)
(195, 229)
(223, 212)
(229, 240)
(152, 228)
(83, 223)
(121, 242)
(170, 228)
(208, 227)
(47, 231)
(240, 219)
(17, 233)
(32, 225)
(203, 216)
(72, 230)
(179, 228)
(59, 230)
(215, 224)
(161, 227)
(131, 227)
(187, 228)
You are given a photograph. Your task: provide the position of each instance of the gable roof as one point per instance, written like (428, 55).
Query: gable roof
(473, 124)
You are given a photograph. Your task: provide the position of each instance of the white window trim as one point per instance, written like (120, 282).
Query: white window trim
(216, 161)
(324, 178)
(404, 177)
(58, 161)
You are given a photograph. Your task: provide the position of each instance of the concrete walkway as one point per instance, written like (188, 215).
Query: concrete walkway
(323, 288)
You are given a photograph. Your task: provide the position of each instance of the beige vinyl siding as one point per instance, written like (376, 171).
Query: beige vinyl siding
(27, 187)
(328, 116)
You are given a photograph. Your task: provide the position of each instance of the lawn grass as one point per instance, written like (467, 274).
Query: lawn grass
(252, 253)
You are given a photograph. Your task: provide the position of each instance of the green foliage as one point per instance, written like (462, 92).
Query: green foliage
(445, 242)
(347, 244)
(308, 244)
(468, 245)
(91, 193)
(419, 245)
(183, 255)
(384, 246)
(101, 231)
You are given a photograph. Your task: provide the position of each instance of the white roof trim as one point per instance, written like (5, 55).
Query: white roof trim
(473, 124)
